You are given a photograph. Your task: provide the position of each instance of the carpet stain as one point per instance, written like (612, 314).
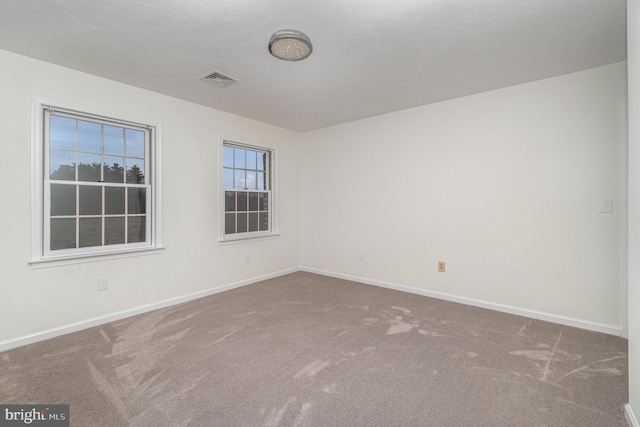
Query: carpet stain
(330, 389)
(406, 312)
(303, 417)
(110, 392)
(178, 335)
(522, 329)
(587, 371)
(399, 327)
(106, 337)
(547, 370)
(542, 355)
(277, 414)
(168, 323)
(312, 369)
(543, 360)
(222, 338)
(431, 333)
(582, 407)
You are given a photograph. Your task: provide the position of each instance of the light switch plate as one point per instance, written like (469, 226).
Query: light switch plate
(606, 206)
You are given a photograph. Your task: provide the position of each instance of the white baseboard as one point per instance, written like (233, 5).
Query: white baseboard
(99, 320)
(631, 418)
(583, 324)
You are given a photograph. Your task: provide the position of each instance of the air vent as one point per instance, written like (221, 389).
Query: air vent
(216, 78)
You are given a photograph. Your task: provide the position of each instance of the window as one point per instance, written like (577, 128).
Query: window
(247, 177)
(97, 185)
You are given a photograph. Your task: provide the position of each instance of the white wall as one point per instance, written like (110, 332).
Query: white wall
(503, 186)
(633, 55)
(33, 301)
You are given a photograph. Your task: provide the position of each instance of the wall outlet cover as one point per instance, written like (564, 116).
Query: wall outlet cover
(606, 206)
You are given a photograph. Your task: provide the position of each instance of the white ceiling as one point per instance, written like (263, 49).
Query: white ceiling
(369, 56)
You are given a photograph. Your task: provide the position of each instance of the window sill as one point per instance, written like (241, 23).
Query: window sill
(94, 257)
(247, 239)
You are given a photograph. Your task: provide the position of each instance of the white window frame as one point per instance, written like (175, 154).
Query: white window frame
(41, 256)
(273, 199)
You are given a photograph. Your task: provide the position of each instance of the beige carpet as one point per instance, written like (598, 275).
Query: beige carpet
(309, 350)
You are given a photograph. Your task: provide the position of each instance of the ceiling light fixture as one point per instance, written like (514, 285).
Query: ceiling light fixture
(290, 45)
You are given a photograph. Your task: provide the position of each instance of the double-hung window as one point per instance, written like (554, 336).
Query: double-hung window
(247, 176)
(97, 186)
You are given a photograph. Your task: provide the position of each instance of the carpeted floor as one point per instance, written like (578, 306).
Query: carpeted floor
(309, 350)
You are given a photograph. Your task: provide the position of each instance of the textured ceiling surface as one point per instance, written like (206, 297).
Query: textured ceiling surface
(369, 56)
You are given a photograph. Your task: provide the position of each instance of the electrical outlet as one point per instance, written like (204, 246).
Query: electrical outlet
(247, 258)
(360, 256)
(441, 266)
(103, 283)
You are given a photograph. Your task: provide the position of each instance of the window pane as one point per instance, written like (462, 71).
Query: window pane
(228, 178)
(253, 201)
(136, 229)
(135, 143)
(63, 200)
(229, 201)
(245, 169)
(251, 180)
(113, 169)
(113, 140)
(260, 184)
(62, 132)
(242, 223)
(229, 223)
(239, 158)
(114, 200)
(113, 231)
(254, 221)
(251, 159)
(264, 221)
(62, 165)
(239, 179)
(227, 157)
(63, 233)
(242, 201)
(137, 200)
(89, 167)
(90, 200)
(90, 232)
(135, 171)
(96, 181)
(89, 135)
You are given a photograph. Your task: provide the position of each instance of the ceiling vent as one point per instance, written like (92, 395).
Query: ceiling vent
(216, 78)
